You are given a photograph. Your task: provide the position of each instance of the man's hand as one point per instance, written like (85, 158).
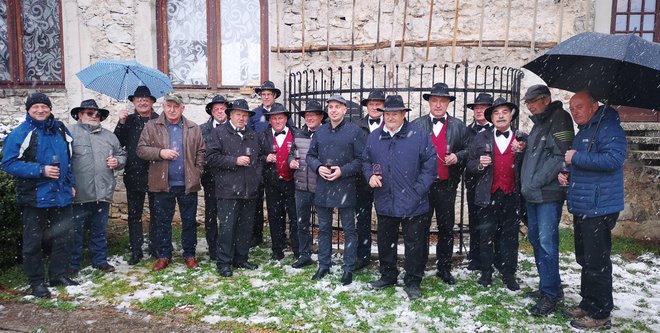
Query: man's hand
(243, 161)
(294, 164)
(563, 179)
(73, 192)
(123, 114)
(518, 146)
(376, 181)
(169, 154)
(111, 162)
(451, 159)
(271, 158)
(484, 161)
(331, 173)
(51, 171)
(568, 157)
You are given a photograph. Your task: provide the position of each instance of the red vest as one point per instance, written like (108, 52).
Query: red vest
(440, 143)
(503, 174)
(282, 163)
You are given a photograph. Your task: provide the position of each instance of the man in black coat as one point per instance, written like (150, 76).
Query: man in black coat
(217, 111)
(128, 131)
(335, 154)
(448, 135)
(235, 156)
(479, 124)
(372, 121)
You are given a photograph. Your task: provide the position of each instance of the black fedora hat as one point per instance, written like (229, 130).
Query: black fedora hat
(313, 106)
(482, 99)
(500, 101)
(394, 103)
(142, 91)
(268, 85)
(439, 89)
(239, 104)
(374, 95)
(217, 99)
(89, 104)
(277, 108)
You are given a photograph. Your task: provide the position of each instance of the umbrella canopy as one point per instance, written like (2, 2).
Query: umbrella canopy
(618, 69)
(119, 78)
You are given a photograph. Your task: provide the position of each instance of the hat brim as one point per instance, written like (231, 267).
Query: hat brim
(472, 105)
(286, 113)
(302, 113)
(229, 110)
(209, 106)
(366, 101)
(427, 96)
(514, 111)
(393, 109)
(104, 113)
(130, 98)
(278, 92)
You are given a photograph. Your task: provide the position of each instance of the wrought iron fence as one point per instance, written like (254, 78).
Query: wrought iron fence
(465, 81)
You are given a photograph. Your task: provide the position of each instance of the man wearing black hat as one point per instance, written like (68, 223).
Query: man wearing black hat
(496, 167)
(305, 178)
(548, 141)
(336, 155)
(448, 135)
(37, 153)
(128, 131)
(96, 155)
(399, 158)
(236, 158)
(216, 110)
(278, 181)
(371, 122)
(479, 124)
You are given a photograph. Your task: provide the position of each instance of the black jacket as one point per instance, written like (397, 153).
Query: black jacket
(208, 178)
(266, 141)
(136, 170)
(470, 178)
(224, 147)
(456, 139)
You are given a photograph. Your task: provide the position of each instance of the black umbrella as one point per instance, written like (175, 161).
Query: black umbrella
(618, 69)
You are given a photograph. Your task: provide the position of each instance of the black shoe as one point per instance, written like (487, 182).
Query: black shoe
(135, 259)
(320, 273)
(225, 271)
(40, 290)
(213, 257)
(536, 294)
(381, 284)
(486, 279)
(277, 256)
(544, 306)
(302, 262)
(105, 267)
(413, 292)
(360, 264)
(510, 282)
(246, 265)
(63, 281)
(347, 278)
(474, 266)
(445, 275)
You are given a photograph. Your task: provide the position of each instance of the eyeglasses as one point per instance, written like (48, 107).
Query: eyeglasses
(93, 114)
(534, 100)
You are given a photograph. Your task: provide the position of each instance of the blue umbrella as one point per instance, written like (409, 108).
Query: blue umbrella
(119, 78)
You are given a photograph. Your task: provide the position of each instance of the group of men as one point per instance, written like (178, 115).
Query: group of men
(409, 171)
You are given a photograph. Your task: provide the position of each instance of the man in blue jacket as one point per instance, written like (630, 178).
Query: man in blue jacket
(335, 154)
(38, 154)
(595, 198)
(400, 165)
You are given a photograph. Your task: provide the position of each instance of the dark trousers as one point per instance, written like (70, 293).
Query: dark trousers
(38, 223)
(135, 200)
(593, 247)
(281, 201)
(414, 238)
(365, 199)
(499, 225)
(164, 205)
(442, 197)
(473, 220)
(236, 221)
(211, 220)
(93, 216)
(258, 228)
(304, 203)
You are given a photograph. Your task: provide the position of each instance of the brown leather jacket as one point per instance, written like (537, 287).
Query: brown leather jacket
(155, 137)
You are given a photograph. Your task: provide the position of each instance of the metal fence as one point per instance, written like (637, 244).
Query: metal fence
(465, 82)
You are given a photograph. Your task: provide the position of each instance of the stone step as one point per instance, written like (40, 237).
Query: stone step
(644, 154)
(652, 170)
(646, 140)
(641, 126)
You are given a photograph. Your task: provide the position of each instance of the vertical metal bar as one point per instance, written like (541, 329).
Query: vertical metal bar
(453, 42)
(403, 28)
(373, 78)
(408, 83)
(361, 80)
(327, 30)
(302, 20)
(350, 92)
(428, 33)
(396, 79)
(353, 31)
(508, 24)
(373, 54)
(277, 38)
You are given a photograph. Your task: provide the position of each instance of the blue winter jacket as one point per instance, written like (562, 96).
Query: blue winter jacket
(408, 163)
(596, 179)
(27, 150)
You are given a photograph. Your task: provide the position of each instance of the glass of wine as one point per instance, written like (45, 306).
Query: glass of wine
(248, 153)
(296, 155)
(376, 169)
(566, 171)
(274, 151)
(520, 137)
(111, 154)
(488, 149)
(447, 153)
(328, 164)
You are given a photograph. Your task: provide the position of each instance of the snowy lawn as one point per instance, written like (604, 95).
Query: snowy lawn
(276, 297)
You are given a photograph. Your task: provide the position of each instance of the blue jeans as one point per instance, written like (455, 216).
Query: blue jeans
(304, 202)
(347, 219)
(164, 204)
(543, 229)
(92, 215)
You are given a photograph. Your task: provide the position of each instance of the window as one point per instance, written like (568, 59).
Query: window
(213, 43)
(31, 43)
(640, 16)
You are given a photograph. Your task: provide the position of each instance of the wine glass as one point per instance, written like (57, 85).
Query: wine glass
(447, 153)
(566, 171)
(55, 161)
(376, 169)
(328, 164)
(248, 153)
(488, 150)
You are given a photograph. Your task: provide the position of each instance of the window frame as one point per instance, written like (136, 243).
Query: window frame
(16, 58)
(628, 12)
(214, 43)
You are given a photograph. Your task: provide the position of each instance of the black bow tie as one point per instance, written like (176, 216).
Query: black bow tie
(280, 132)
(478, 127)
(242, 131)
(436, 120)
(374, 121)
(506, 134)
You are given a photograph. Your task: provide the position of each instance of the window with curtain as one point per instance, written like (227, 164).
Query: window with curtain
(639, 16)
(31, 44)
(212, 43)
